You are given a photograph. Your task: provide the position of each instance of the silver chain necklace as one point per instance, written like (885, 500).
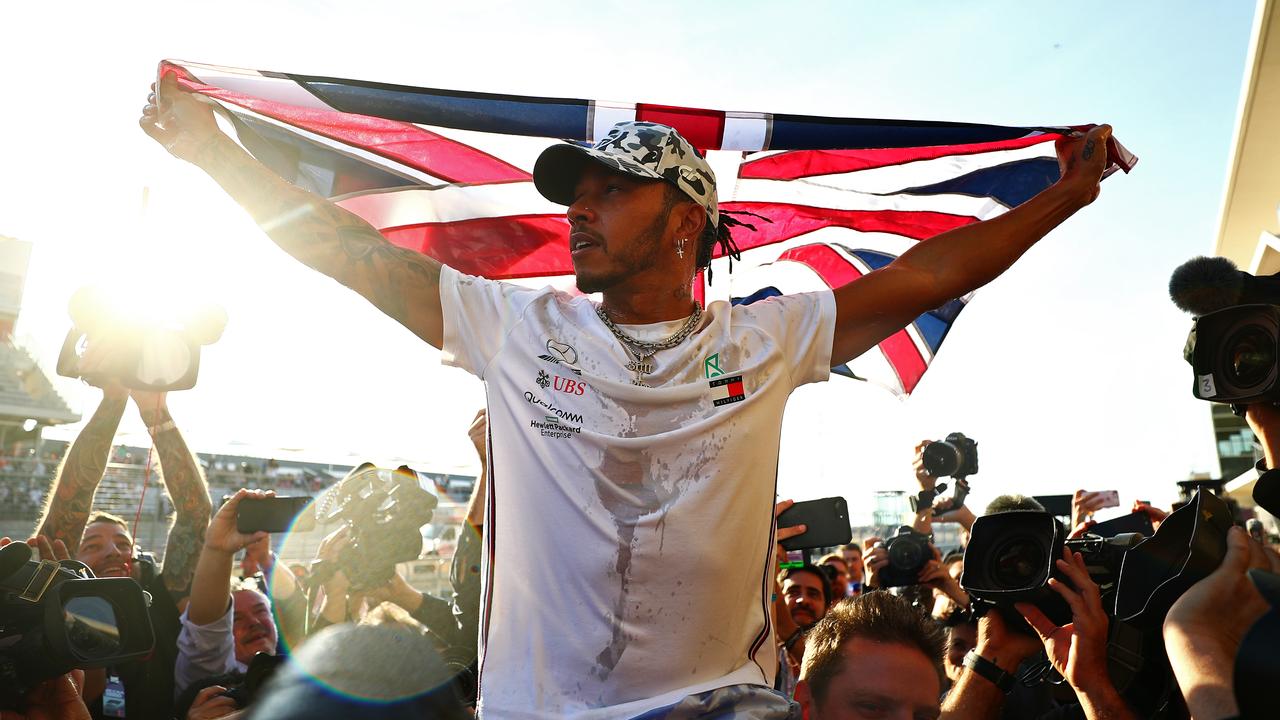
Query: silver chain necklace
(642, 351)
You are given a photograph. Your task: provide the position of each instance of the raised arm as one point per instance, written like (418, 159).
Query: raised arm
(401, 283)
(71, 499)
(962, 260)
(187, 490)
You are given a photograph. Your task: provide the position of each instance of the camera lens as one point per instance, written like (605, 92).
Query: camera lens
(940, 458)
(1018, 563)
(91, 626)
(907, 554)
(1250, 355)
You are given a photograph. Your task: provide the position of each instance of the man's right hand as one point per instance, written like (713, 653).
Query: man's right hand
(875, 560)
(927, 481)
(178, 120)
(222, 535)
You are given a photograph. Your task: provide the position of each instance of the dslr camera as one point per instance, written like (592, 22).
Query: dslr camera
(56, 616)
(146, 355)
(956, 457)
(1010, 558)
(908, 552)
(384, 511)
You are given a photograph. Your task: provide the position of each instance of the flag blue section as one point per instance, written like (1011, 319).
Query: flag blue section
(1011, 183)
(483, 112)
(756, 296)
(791, 132)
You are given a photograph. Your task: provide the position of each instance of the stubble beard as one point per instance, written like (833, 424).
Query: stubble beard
(643, 254)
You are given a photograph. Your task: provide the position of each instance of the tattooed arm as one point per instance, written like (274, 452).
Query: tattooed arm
(402, 283)
(187, 490)
(67, 508)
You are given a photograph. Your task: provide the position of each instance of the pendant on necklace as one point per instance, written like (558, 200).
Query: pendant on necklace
(641, 367)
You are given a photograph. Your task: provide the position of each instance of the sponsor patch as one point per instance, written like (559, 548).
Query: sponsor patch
(727, 390)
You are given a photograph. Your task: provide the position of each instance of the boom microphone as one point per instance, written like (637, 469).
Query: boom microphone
(1207, 284)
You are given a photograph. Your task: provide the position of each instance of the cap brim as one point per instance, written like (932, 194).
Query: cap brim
(559, 167)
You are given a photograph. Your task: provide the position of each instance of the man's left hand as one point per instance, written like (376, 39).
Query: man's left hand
(1078, 650)
(1082, 158)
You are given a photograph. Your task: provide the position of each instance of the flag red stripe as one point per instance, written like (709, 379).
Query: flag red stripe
(899, 349)
(704, 129)
(789, 220)
(809, 163)
(404, 143)
(498, 247)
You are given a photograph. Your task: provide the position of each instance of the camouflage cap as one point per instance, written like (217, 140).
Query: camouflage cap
(643, 149)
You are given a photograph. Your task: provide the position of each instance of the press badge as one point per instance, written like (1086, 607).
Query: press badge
(113, 697)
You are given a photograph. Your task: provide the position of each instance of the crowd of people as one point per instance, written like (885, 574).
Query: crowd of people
(626, 444)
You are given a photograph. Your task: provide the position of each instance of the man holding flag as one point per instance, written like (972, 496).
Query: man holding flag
(632, 438)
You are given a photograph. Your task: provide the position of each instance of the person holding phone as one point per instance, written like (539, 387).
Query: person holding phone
(632, 426)
(220, 632)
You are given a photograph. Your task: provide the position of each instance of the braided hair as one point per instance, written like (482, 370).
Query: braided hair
(722, 236)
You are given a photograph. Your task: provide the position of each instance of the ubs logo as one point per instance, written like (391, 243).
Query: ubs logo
(567, 386)
(560, 384)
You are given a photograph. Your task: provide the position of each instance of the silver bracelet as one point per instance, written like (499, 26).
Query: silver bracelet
(162, 427)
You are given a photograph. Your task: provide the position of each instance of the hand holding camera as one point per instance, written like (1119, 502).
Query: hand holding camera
(1206, 625)
(1077, 649)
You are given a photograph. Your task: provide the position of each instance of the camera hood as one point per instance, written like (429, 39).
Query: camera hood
(57, 618)
(1010, 555)
(1189, 545)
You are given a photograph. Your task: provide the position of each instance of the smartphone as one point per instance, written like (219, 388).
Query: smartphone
(1056, 505)
(826, 521)
(273, 515)
(1138, 522)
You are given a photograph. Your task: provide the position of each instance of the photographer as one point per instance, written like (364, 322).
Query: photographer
(220, 634)
(104, 543)
(1202, 640)
(944, 510)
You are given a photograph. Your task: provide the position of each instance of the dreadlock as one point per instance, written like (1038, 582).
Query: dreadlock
(722, 236)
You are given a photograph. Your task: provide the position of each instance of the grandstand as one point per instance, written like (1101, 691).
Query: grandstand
(28, 402)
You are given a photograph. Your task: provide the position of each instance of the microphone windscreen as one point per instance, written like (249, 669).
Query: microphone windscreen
(1206, 284)
(12, 557)
(1266, 493)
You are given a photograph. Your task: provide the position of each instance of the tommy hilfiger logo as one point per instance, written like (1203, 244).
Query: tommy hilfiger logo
(559, 352)
(727, 390)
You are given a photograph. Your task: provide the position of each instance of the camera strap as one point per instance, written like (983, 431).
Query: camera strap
(33, 579)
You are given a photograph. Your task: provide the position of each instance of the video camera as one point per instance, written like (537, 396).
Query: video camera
(147, 355)
(908, 552)
(56, 616)
(1010, 558)
(1234, 342)
(385, 511)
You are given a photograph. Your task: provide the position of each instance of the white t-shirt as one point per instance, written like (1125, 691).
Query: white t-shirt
(628, 538)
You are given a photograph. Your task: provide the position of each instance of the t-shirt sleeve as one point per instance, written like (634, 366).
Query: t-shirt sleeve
(478, 316)
(803, 326)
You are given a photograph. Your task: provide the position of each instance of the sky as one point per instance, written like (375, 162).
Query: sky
(1067, 370)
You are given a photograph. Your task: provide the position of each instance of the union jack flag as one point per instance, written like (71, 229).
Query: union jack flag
(449, 174)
